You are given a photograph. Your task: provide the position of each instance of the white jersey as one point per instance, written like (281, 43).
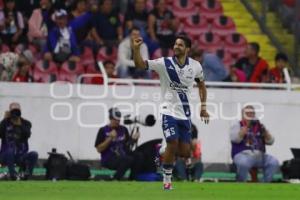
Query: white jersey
(176, 83)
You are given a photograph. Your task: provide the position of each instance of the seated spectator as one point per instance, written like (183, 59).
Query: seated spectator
(249, 138)
(110, 70)
(8, 61)
(112, 34)
(213, 67)
(81, 21)
(40, 23)
(191, 168)
(126, 67)
(24, 64)
(11, 24)
(137, 16)
(255, 67)
(113, 143)
(61, 45)
(162, 25)
(276, 74)
(14, 133)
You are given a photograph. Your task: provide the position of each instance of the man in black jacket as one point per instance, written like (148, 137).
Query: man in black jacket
(14, 133)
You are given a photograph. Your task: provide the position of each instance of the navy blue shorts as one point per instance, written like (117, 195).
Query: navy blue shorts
(174, 129)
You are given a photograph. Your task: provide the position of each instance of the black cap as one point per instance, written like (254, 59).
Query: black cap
(114, 113)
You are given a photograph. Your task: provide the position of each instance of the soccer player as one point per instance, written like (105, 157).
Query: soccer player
(177, 75)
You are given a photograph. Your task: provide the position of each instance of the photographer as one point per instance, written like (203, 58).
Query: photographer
(14, 133)
(249, 138)
(113, 142)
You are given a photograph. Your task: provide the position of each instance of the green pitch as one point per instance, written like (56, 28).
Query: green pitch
(43, 190)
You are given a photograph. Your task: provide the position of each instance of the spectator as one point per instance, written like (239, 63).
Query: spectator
(113, 143)
(126, 67)
(138, 16)
(112, 34)
(191, 168)
(40, 23)
(162, 25)
(61, 44)
(24, 64)
(11, 24)
(14, 133)
(248, 139)
(81, 21)
(9, 62)
(254, 67)
(110, 70)
(213, 67)
(276, 75)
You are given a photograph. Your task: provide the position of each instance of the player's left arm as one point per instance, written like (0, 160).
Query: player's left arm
(203, 96)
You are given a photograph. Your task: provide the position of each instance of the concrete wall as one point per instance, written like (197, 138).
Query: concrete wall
(68, 117)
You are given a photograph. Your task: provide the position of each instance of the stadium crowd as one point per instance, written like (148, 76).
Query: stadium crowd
(58, 40)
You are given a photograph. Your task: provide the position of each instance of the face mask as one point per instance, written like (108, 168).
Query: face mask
(15, 113)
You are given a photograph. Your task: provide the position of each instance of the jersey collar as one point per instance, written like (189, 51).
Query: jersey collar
(181, 66)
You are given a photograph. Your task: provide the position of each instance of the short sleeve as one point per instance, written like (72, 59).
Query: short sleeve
(100, 137)
(156, 65)
(199, 72)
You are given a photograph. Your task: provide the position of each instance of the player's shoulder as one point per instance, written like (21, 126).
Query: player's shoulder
(194, 63)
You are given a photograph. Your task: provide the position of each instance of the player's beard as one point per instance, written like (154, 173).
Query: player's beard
(178, 52)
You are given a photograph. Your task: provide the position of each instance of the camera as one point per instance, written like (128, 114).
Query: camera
(148, 120)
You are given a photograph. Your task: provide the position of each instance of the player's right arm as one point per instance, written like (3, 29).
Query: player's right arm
(137, 58)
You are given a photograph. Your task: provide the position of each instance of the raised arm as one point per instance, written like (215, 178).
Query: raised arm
(137, 58)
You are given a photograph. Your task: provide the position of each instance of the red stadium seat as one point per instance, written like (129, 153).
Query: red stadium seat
(223, 26)
(210, 42)
(198, 2)
(46, 66)
(87, 57)
(183, 8)
(235, 44)
(195, 25)
(211, 9)
(91, 69)
(44, 77)
(45, 72)
(67, 77)
(107, 53)
(72, 67)
(159, 53)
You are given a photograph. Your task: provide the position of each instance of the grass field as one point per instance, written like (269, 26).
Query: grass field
(68, 190)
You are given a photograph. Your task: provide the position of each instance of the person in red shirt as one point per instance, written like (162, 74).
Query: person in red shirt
(110, 68)
(24, 64)
(255, 67)
(276, 74)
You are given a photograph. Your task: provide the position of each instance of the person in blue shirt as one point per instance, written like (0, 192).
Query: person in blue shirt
(213, 67)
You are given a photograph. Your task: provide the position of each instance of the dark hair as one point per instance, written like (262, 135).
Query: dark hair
(114, 113)
(75, 3)
(281, 56)
(255, 46)
(134, 28)
(186, 39)
(108, 62)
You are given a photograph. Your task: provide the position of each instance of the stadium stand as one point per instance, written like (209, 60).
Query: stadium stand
(214, 25)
